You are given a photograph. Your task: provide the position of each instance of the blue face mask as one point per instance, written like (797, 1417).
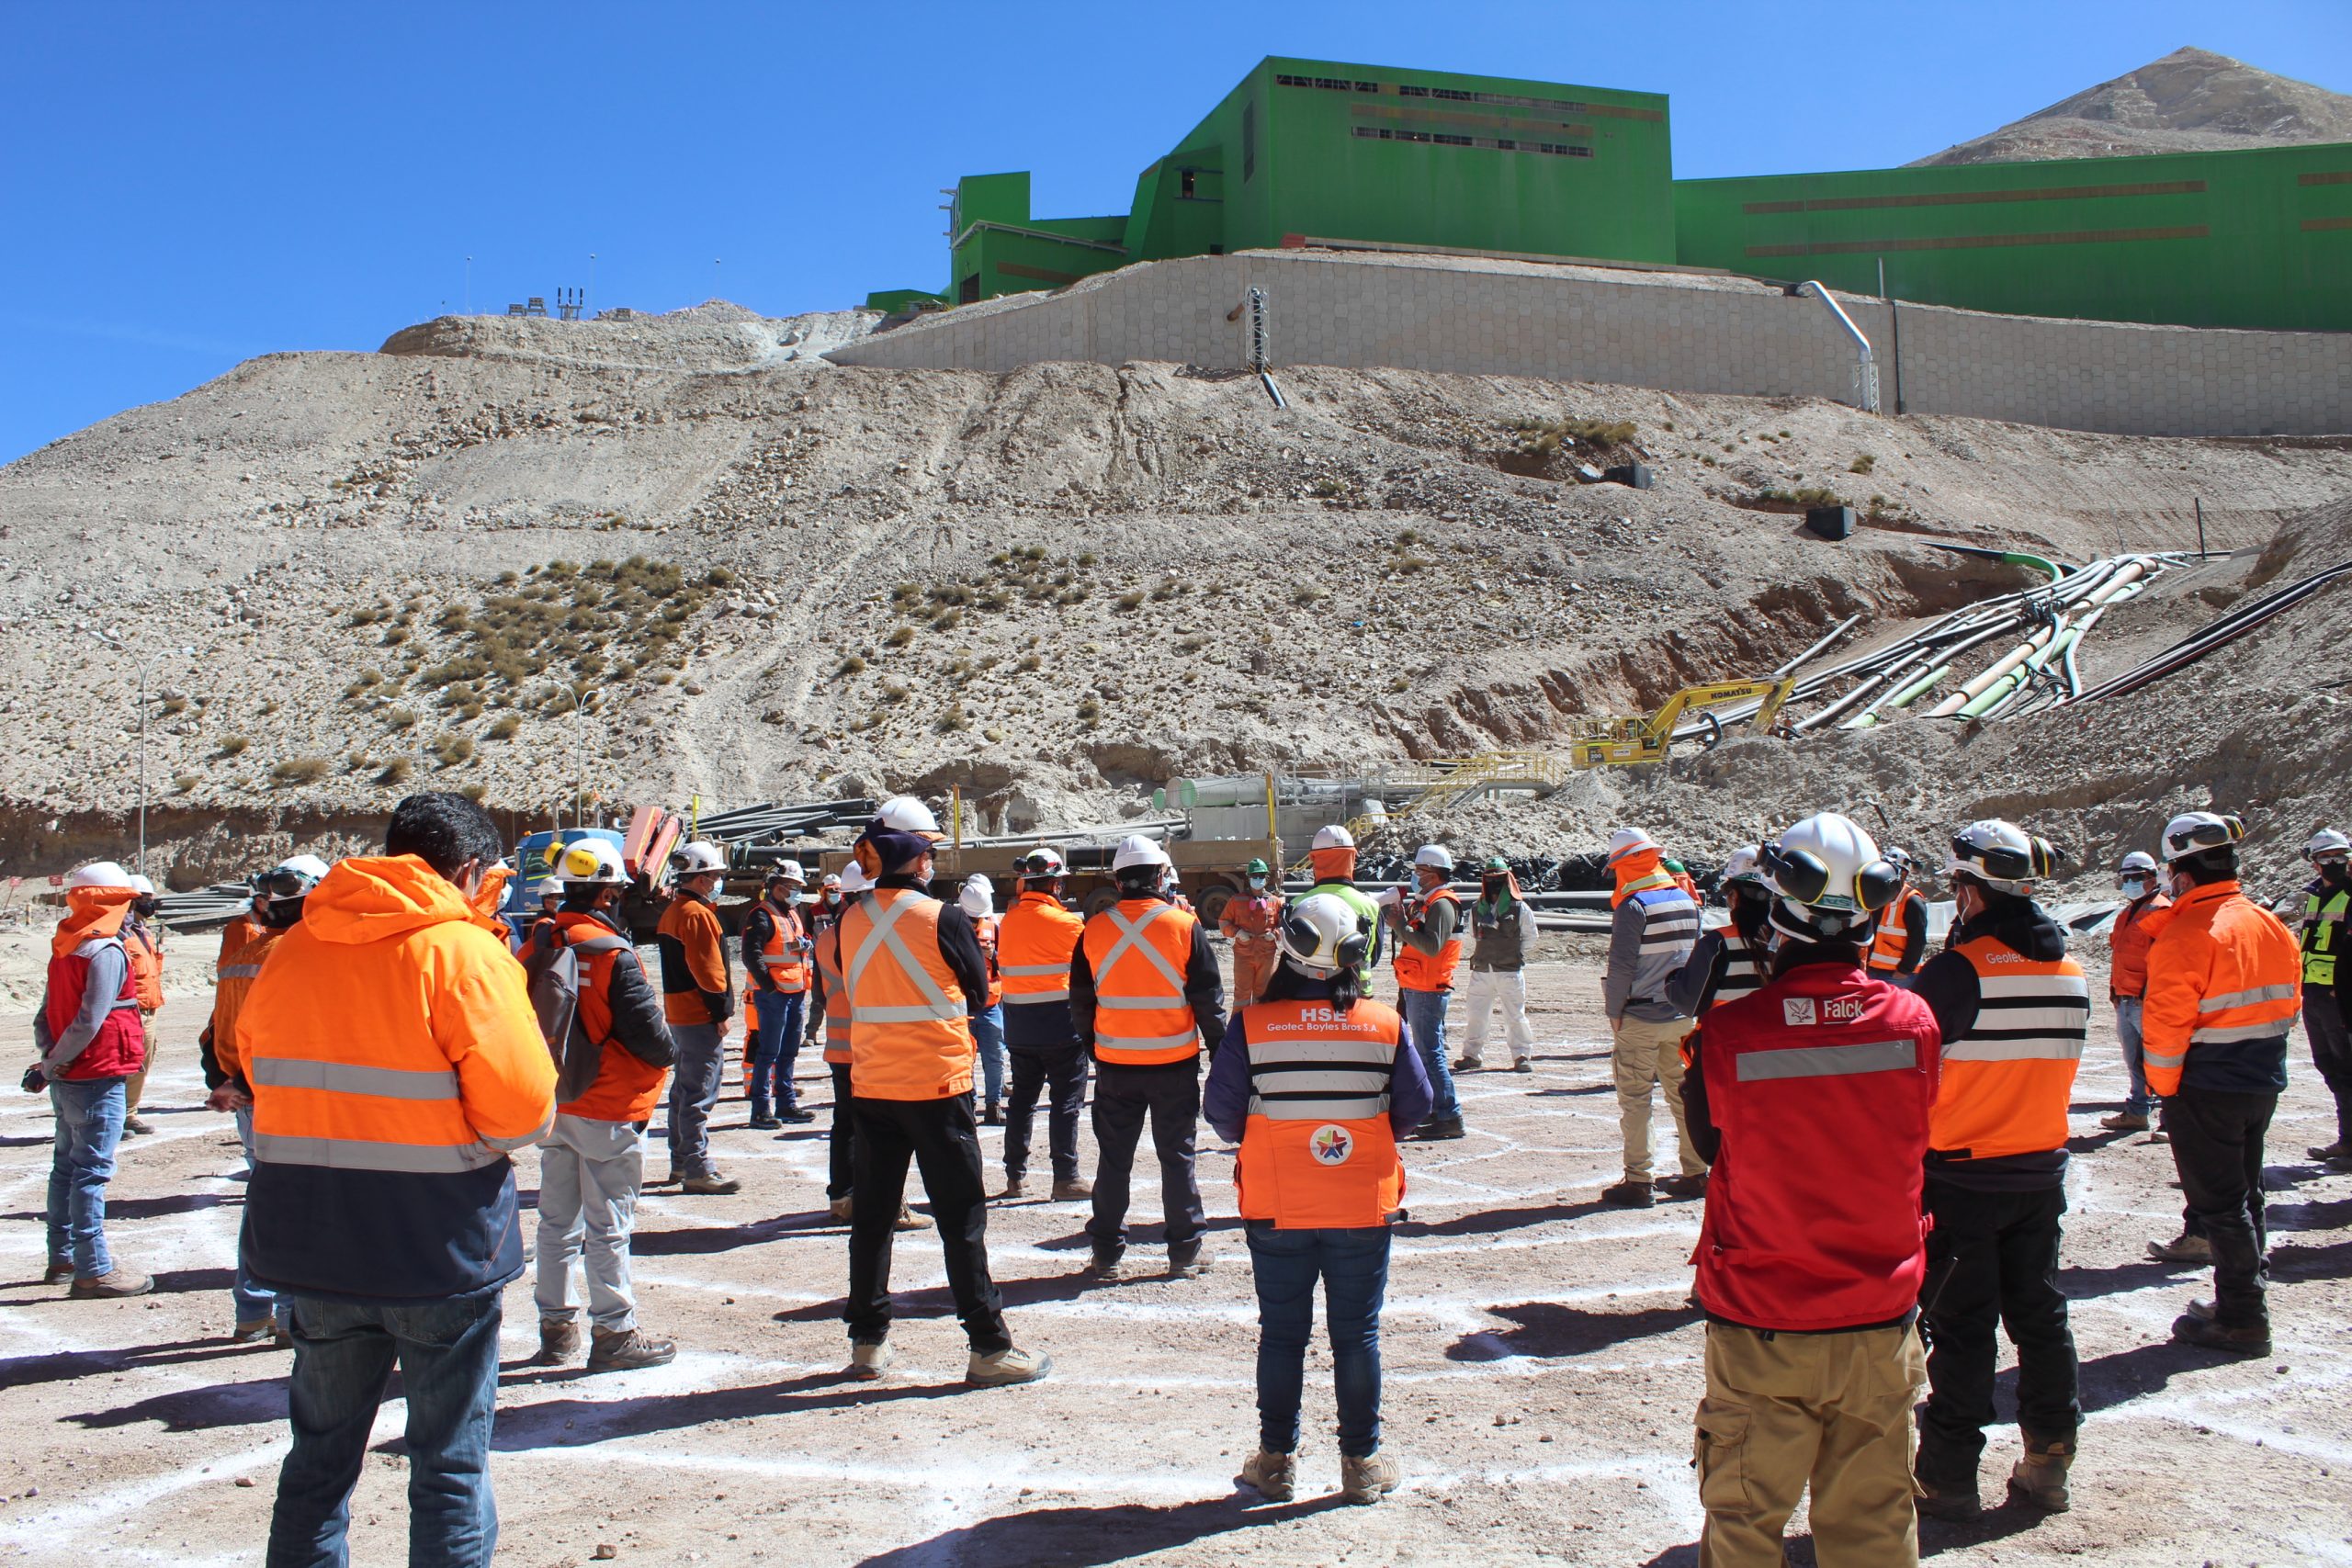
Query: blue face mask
(2134, 887)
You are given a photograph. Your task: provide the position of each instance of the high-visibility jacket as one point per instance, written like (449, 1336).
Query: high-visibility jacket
(627, 1087)
(985, 929)
(395, 1060)
(1819, 1085)
(2224, 989)
(244, 944)
(119, 1048)
(1742, 972)
(1138, 952)
(1318, 1152)
(1251, 917)
(2007, 1081)
(828, 959)
(1653, 927)
(143, 945)
(1035, 942)
(1890, 945)
(780, 954)
(910, 1037)
(694, 962)
(2136, 927)
(2323, 910)
(1418, 971)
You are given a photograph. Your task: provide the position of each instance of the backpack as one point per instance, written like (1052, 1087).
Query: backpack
(553, 970)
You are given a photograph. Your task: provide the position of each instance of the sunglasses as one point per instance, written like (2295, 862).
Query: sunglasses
(282, 883)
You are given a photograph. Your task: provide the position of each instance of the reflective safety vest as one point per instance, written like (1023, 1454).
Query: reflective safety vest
(1742, 971)
(1318, 1152)
(1136, 951)
(625, 1088)
(2007, 1081)
(2223, 986)
(827, 957)
(243, 945)
(2323, 931)
(910, 1034)
(1035, 942)
(787, 965)
(1893, 935)
(144, 947)
(1418, 971)
(119, 1046)
(984, 927)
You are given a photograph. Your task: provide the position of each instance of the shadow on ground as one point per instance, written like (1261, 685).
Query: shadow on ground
(1545, 1328)
(1083, 1537)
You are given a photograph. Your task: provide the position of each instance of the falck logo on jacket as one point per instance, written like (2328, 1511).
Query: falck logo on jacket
(1797, 1012)
(1331, 1146)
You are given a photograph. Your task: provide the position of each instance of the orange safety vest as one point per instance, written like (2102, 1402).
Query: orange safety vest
(910, 1034)
(1035, 942)
(1318, 1152)
(1138, 951)
(243, 945)
(827, 957)
(2224, 974)
(1418, 971)
(626, 1088)
(984, 927)
(1885, 956)
(145, 949)
(2007, 1081)
(787, 965)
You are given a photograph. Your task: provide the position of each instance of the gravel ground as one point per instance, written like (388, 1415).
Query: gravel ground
(1541, 1370)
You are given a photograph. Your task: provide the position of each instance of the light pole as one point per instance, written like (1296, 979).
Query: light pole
(579, 692)
(145, 665)
(470, 285)
(717, 288)
(589, 310)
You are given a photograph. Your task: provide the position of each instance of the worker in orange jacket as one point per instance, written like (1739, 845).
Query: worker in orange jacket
(1251, 921)
(88, 1039)
(1036, 942)
(396, 1064)
(697, 999)
(2224, 979)
(2145, 913)
(142, 942)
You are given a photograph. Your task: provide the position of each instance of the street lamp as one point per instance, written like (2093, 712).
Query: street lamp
(145, 665)
(579, 691)
(592, 286)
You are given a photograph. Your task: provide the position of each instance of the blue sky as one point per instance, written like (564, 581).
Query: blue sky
(186, 184)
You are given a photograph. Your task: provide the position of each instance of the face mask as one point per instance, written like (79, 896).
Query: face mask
(2134, 888)
(1492, 887)
(2332, 869)
(1256, 885)
(789, 899)
(833, 896)
(144, 906)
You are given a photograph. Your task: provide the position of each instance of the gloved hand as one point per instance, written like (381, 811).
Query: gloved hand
(37, 1079)
(721, 1005)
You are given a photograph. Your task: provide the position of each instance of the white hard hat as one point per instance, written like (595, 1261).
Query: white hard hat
(1044, 861)
(2139, 861)
(1137, 850)
(1627, 840)
(1828, 880)
(789, 871)
(310, 866)
(1322, 934)
(2327, 841)
(854, 880)
(590, 862)
(1334, 838)
(98, 873)
(697, 857)
(832, 879)
(977, 896)
(2193, 832)
(1743, 866)
(141, 885)
(2001, 855)
(1434, 855)
(546, 887)
(905, 814)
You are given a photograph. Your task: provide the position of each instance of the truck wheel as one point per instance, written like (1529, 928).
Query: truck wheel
(1100, 899)
(1210, 901)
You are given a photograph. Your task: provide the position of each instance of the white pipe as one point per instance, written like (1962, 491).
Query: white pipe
(1866, 366)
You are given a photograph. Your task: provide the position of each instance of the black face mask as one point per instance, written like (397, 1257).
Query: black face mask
(144, 906)
(280, 913)
(2335, 870)
(1492, 887)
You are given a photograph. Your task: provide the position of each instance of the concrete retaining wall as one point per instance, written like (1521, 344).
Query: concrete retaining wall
(1678, 332)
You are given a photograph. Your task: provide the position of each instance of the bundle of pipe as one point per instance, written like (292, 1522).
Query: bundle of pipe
(2220, 634)
(2006, 675)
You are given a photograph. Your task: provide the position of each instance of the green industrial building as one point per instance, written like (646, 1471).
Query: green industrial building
(1309, 152)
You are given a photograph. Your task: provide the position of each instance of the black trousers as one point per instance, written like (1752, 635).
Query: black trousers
(939, 1136)
(2324, 1026)
(842, 1143)
(1170, 1096)
(1993, 1263)
(1061, 1072)
(2217, 1148)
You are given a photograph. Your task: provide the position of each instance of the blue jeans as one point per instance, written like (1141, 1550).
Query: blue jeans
(1353, 1264)
(343, 1353)
(987, 1042)
(255, 1304)
(89, 1114)
(775, 1048)
(2127, 1030)
(1425, 1020)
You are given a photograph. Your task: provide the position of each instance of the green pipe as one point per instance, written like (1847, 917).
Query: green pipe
(1918, 688)
(1974, 707)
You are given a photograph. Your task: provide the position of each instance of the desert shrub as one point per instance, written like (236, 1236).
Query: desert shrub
(900, 636)
(852, 665)
(1543, 437)
(301, 770)
(504, 728)
(1131, 600)
(1029, 661)
(1862, 465)
(234, 745)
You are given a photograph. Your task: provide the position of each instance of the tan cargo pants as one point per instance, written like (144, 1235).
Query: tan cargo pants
(1646, 1053)
(1832, 1409)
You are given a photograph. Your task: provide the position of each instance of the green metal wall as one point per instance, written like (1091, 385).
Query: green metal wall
(2259, 238)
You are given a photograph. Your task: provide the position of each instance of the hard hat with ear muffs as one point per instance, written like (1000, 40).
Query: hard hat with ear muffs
(1828, 880)
(1322, 934)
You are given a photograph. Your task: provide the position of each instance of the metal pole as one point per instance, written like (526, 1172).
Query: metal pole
(584, 305)
(470, 285)
(2200, 501)
(142, 766)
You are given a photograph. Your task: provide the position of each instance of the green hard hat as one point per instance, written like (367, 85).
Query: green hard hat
(1672, 864)
(1497, 863)
(1258, 868)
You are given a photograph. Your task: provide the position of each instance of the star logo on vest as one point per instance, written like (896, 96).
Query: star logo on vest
(1331, 1146)
(1797, 1012)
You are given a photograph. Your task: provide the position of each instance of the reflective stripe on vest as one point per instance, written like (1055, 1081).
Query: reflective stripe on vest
(881, 936)
(785, 967)
(1742, 971)
(1892, 938)
(237, 971)
(348, 1154)
(2262, 1028)
(2322, 925)
(1141, 1017)
(1669, 921)
(2008, 1080)
(344, 1078)
(1317, 1151)
(1829, 1061)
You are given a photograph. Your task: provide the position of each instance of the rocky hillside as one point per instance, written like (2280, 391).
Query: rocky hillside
(769, 577)
(2190, 101)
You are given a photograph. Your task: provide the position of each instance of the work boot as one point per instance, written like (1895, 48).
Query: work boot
(794, 1116)
(2204, 1309)
(711, 1185)
(2040, 1479)
(1956, 1503)
(910, 1221)
(1524, 1064)
(839, 1207)
(2252, 1340)
(1270, 1474)
(1440, 1129)
(2124, 1122)
(559, 1340)
(1015, 1186)
(253, 1334)
(994, 1117)
(138, 1124)
(1684, 1186)
(868, 1361)
(1369, 1479)
(2336, 1150)
(2182, 1248)
(1628, 1194)
(116, 1281)
(1105, 1264)
(626, 1349)
(60, 1269)
(1003, 1368)
(764, 1116)
(1076, 1187)
(1185, 1261)
(1461, 1064)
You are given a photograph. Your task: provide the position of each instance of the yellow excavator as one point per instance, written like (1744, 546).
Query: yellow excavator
(1623, 743)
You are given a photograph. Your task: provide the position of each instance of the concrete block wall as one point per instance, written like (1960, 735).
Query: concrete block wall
(1678, 332)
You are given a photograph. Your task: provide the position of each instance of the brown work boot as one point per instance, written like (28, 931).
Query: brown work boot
(1003, 1368)
(60, 1269)
(1076, 1187)
(910, 1221)
(2182, 1248)
(1369, 1479)
(1628, 1194)
(839, 1208)
(1185, 1259)
(119, 1281)
(2124, 1122)
(1015, 1186)
(559, 1340)
(1272, 1475)
(1684, 1186)
(2253, 1340)
(711, 1185)
(2040, 1479)
(626, 1349)
(1954, 1503)
(254, 1333)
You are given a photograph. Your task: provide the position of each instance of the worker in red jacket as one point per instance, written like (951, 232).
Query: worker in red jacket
(1811, 1251)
